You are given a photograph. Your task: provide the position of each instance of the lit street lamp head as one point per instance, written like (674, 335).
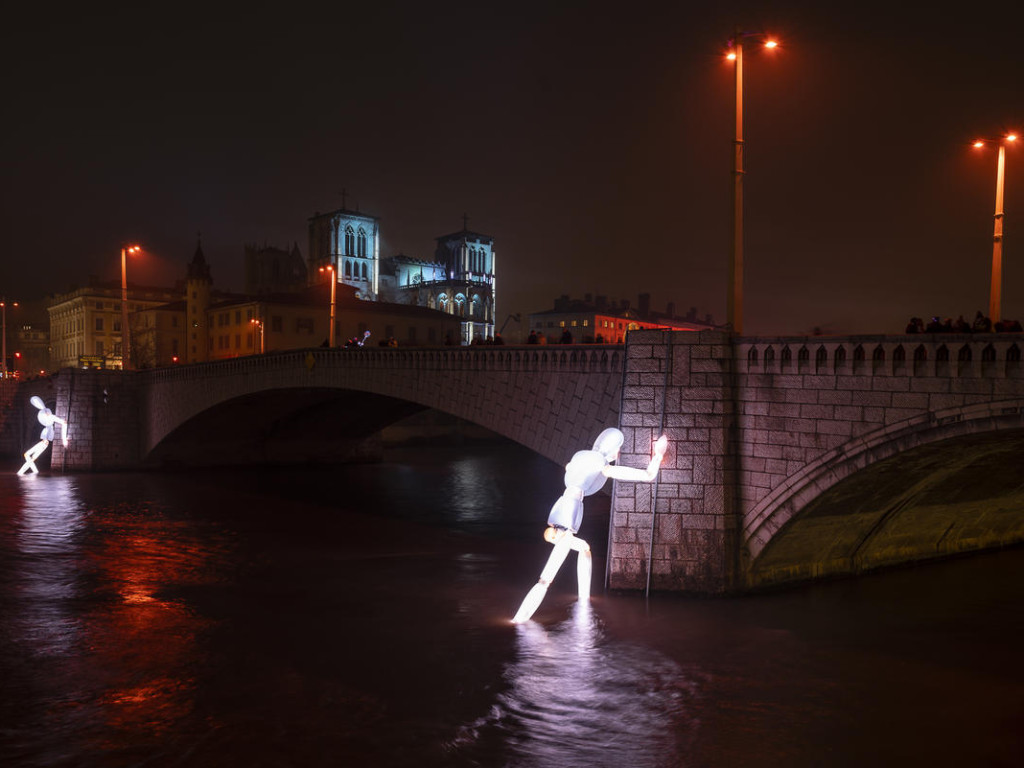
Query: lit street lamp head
(125, 340)
(995, 297)
(734, 294)
(767, 41)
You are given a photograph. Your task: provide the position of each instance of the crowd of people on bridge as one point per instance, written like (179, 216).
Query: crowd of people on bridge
(981, 324)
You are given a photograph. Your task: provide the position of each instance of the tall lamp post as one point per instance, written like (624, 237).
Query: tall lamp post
(734, 299)
(329, 269)
(995, 295)
(3, 309)
(125, 342)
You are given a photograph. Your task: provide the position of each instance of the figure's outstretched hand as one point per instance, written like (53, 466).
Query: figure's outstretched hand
(660, 446)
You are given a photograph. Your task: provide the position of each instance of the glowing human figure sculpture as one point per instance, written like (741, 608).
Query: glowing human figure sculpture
(585, 475)
(47, 419)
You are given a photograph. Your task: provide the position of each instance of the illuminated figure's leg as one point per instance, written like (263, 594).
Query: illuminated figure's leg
(536, 595)
(584, 567)
(30, 457)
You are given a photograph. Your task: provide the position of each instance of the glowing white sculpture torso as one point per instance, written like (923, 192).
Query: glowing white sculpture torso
(584, 476)
(47, 419)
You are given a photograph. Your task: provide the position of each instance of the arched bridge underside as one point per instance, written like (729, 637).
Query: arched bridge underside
(322, 404)
(931, 487)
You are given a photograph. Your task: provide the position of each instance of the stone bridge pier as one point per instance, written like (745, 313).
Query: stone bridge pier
(808, 457)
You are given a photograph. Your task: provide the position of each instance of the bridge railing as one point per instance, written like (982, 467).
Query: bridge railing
(995, 355)
(589, 358)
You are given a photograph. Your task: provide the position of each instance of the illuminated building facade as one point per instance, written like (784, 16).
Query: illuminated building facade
(31, 354)
(161, 335)
(600, 321)
(349, 241)
(237, 325)
(85, 324)
(459, 282)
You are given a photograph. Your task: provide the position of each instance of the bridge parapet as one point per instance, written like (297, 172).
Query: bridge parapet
(935, 355)
(592, 358)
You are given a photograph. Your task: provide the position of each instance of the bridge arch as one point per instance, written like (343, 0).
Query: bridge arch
(551, 401)
(821, 483)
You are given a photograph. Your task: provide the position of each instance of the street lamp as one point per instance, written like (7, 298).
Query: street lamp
(329, 269)
(125, 250)
(259, 326)
(3, 309)
(734, 299)
(995, 295)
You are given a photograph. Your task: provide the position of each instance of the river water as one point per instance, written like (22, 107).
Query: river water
(359, 616)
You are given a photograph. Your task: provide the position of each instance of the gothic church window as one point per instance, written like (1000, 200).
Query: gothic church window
(362, 243)
(350, 241)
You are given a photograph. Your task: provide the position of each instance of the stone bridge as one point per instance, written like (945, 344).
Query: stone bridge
(790, 458)
(323, 405)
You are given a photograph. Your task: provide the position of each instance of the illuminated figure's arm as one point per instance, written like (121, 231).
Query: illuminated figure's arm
(65, 431)
(640, 475)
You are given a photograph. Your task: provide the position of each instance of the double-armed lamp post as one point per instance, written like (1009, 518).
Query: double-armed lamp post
(734, 299)
(995, 296)
(125, 350)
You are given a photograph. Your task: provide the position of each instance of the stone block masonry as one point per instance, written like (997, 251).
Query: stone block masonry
(759, 427)
(679, 384)
(102, 410)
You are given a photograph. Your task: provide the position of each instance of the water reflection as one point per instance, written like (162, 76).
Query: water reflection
(42, 527)
(576, 697)
(473, 493)
(89, 608)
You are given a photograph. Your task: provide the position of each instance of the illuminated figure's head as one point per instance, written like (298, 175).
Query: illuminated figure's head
(608, 443)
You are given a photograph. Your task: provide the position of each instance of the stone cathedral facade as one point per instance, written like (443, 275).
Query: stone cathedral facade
(349, 241)
(459, 280)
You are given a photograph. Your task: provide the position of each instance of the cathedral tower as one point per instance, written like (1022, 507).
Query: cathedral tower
(350, 242)
(198, 286)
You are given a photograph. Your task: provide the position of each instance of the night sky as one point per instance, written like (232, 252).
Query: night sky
(593, 141)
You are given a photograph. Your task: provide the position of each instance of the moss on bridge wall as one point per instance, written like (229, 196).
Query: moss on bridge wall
(944, 498)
